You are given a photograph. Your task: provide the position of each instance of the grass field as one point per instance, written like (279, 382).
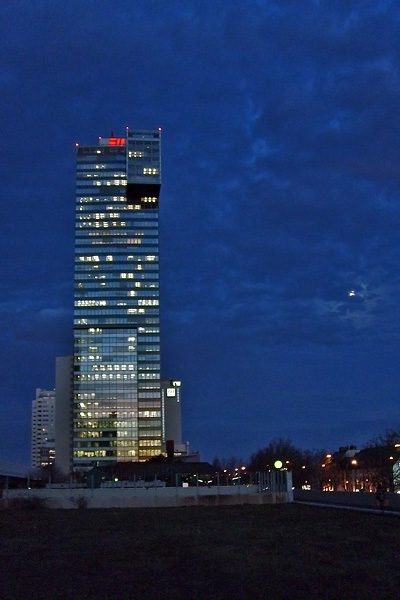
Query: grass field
(289, 552)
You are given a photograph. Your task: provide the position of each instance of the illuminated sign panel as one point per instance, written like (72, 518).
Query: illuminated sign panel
(114, 141)
(171, 392)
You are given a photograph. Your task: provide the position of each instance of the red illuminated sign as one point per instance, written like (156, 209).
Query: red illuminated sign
(116, 141)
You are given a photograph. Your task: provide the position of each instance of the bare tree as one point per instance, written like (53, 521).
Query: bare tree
(389, 437)
(379, 460)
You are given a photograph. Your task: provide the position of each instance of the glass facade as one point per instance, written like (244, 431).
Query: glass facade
(117, 399)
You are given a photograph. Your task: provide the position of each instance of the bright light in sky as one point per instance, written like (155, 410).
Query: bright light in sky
(352, 293)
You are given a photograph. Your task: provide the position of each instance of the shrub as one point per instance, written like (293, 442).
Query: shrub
(26, 503)
(81, 502)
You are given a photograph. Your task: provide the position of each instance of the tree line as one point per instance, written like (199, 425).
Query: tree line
(347, 469)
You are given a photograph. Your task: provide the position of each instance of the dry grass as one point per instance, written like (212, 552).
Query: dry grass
(245, 552)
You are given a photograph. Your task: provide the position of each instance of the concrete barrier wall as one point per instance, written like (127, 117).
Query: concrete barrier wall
(156, 497)
(360, 499)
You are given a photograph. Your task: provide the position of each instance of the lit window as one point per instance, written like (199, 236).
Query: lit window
(91, 303)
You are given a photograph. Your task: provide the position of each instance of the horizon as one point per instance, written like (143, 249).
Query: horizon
(279, 207)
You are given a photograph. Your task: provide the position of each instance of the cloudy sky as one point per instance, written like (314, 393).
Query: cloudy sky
(280, 207)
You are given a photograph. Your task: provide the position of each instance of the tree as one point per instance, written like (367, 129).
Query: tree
(305, 465)
(216, 463)
(389, 437)
(379, 459)
(277, 449)
(229, 463)
(315, 470)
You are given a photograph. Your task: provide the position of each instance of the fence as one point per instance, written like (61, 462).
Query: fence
(269, 488)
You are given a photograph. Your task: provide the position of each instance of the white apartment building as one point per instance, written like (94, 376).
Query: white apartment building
(43, 428)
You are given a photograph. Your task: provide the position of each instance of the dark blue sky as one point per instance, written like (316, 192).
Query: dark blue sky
(280, 207)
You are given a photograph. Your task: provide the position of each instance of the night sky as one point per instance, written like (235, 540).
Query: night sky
(280, 205)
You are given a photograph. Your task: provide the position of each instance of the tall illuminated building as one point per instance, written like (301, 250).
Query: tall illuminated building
(43, 428)
(117, 405)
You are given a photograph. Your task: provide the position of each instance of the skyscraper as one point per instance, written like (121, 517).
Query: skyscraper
(43, 428)
(117, 397)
